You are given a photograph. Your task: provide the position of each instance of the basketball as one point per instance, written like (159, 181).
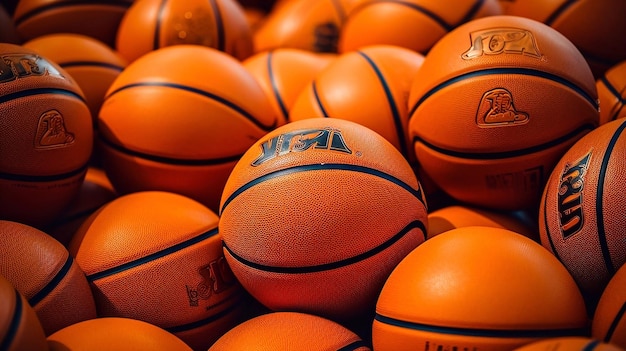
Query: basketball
(98, 19)
(20, 328)
(609, 324)
(8, 32)
(43, 271)
(312, 25)
(114, 333)
(569, 344)
(285, 331)
(284, 72)
(455, 216)
(149, 25)
(157, 257)
(90, 62)
(612, 93)
(477, 288)
(580, 209)
(46, 137)
(414, 24)
(301, 217)
(596, 27)
(370, 87)
(168, 126)
(494, 106)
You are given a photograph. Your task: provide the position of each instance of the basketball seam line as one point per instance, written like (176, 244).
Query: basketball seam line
(318, 100)
(614, 323)
(219, 26)
(170, 160)
(272, 76)
(355, 345)
(559, 11)
(604, 246)
(53, 283)
(153, 256)
(60, 4)
(14, 326)
(547, 226)
(204, 93)
(156, 43)
(489, 333)
(43, 178)
(506, 154)
(391, 102)
(210, 319)
(616, 94)
(40, 91)
(416, 224)
(439, 20)
(325, 166)
(471, 13)
(591, 345)
(501, 71)
(91, 63)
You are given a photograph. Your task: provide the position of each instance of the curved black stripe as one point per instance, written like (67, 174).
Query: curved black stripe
(606, 254)
(203, 93)
(618, 318)
(52, 284)
(354, 346)
(156, 43)
(591, 345)
(559, 11)
(397, 120)
(616, 94)
(507, 154)
(426, 12)
(170, 160)
(546, 225)
(486, 333)
(471, 12)
(92, 64)
(5, 343)
(60, 4)
(506, 70)
(40, 91)
(210, 319)
(279, 98)
(219, 26)
(332, 265)
(153, 256)
(317, 99)
(325, 166)
(43, 178)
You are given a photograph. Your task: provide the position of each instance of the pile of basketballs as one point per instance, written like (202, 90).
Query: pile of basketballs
(312, 175)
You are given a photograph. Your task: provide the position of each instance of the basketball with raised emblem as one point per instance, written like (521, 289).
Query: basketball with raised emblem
(46, 137)
(496, 103)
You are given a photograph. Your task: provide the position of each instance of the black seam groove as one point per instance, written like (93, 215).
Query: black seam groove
(40, 91)
(14, 326)
(219, 26)
(43, 178)
(272, 77)
(614, 323)
(156, 43)
(562, 8)
(53, 283)
(616, 94)
(61, 4)
(507, 154)
(317, 99)
(205, 321)
(247, 115)
(92, 64)
(332, 265)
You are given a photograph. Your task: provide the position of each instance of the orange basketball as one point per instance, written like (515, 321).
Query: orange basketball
(46, 137)
(98, 19)
(497, 101)
(370, 87)
(90, 62)
(596, 27)
(581, 206)
(302, 217)
(157, 257)
(153, 24)
(20, 328)
(412, 24)
(572, 343)
(612, 93)
(284, 72)
(457, 216)
(312, 25)
(114, 333)
(288, 331)
(609, 322)
(477, 288)
(176, 127)
(43, 271)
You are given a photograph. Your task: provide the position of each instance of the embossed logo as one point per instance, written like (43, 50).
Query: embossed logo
(302, 140)
(569, 205)
(496, 109)
(13, 66)
(51, 132)
(496, 41)
(216, 277)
